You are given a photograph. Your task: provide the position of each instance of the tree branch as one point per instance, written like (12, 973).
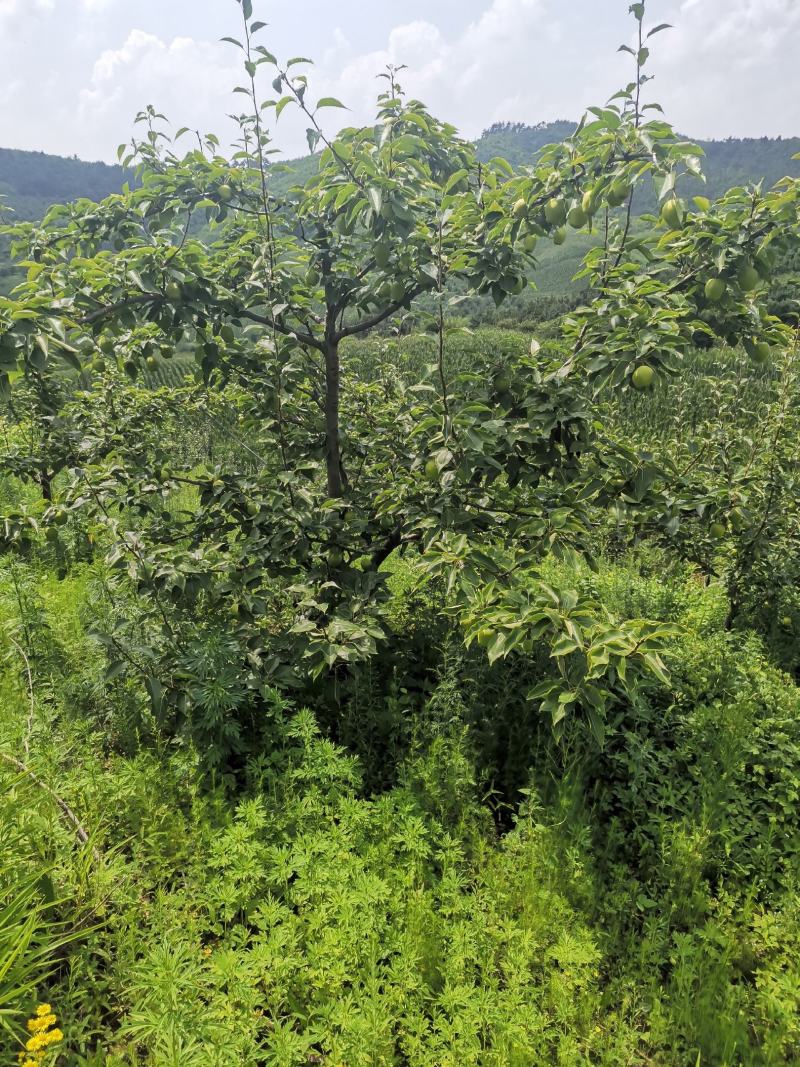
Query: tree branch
(368, 324)
(287, 331)
(32, 703)
(120, 305)
(66, 810)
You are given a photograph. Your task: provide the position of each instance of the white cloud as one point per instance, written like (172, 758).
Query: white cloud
(17, 7)
(482, 74)
(9, 90)
(731, 66)
(189, 81)
(9, 8)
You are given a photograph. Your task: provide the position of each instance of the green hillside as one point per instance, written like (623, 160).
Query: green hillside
(518, 143)
(31, 181)
(727, 163)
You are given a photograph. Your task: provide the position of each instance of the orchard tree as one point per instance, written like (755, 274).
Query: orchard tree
(484, 475)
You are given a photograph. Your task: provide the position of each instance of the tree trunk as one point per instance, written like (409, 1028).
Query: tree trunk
(332, 446)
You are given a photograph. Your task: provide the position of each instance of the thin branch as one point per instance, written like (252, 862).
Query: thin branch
(120, 305)
(626, 231)
(66, 810)
(300, 98)
(32, 710)
(179, 247)
(449, 428)
(304, 338)
(368, 324)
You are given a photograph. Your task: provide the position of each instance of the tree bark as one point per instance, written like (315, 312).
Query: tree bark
(333, 445)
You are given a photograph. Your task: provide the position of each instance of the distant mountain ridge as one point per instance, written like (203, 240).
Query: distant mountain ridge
(734, 161)
(30, 182)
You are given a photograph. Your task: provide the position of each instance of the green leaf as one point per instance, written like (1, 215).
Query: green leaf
(497, 648)
(156, 691)
(557, 711)
(564, 646)
(455, 179)
(282, 104)
(498, 163)
(312, 138)
(656, 666)
(38, 356)
(330, 101)
(70, 357)
(598, 726)
(114, 669)
(247, 8)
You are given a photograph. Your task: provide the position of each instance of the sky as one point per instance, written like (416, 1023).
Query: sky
(73, 73)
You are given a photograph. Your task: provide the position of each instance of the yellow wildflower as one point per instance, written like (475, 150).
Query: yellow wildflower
(44, 1033)
(41, 1022)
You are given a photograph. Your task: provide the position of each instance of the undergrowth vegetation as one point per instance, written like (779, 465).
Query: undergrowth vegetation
(505, 899)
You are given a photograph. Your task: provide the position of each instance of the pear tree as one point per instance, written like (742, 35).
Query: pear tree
(268, 283)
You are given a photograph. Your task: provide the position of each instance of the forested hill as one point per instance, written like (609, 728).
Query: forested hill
(518, 143)
(734, 161)
(31, 181)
